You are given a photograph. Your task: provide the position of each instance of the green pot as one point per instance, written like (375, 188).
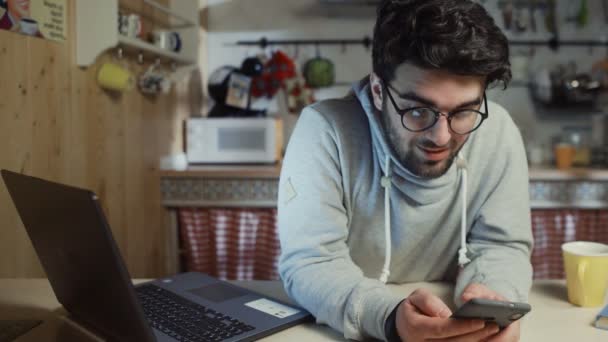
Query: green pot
(319, 72)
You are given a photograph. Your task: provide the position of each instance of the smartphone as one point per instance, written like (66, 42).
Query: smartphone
(499, 312)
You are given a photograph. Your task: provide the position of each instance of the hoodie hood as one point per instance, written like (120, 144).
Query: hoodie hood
(422, 191)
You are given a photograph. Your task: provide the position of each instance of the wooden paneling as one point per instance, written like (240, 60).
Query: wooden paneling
(57, 123)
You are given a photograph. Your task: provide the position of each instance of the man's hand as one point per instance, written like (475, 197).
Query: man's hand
(474, 290)
(423, 316)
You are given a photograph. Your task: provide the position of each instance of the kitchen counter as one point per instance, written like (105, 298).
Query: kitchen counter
(257, 186)
(546, 173)
(549, 173)
(226, 171)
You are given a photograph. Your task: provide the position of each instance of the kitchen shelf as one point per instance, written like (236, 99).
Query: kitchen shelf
(97, 31)
(170, 12)
(143, 46)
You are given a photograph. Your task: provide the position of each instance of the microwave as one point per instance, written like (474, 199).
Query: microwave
(234, 140)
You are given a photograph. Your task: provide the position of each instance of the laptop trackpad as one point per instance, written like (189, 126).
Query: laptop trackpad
(218, 292)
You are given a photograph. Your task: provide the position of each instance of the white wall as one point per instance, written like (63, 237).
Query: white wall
(233, 20)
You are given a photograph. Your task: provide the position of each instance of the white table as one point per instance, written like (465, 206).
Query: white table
(552, 317)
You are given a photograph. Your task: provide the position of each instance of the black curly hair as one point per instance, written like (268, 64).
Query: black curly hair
(458, 36)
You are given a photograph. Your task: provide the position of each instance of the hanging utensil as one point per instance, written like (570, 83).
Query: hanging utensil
(507, 14)
(532, 9)
(582, 19)
(572, 10)
(319, 72)
(520, 19)
(551, 17)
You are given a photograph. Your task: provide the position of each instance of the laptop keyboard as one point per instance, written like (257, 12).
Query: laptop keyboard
(185, 320)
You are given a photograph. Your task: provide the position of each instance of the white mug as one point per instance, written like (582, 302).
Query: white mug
(28, 26)
(123, 24)
(133, 25)
(177, 162)
(167, 40)
(154, 82)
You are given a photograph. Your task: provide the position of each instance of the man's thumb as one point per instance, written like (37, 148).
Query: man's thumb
(429, 304)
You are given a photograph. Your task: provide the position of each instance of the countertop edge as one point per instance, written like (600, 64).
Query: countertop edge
(273, 171)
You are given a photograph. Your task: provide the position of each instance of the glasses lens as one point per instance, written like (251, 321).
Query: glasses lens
(418, 119)
(465, 121)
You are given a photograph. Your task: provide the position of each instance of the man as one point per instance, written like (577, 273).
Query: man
(413, 177)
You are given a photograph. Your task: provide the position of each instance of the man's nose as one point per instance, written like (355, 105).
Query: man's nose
(440, 132)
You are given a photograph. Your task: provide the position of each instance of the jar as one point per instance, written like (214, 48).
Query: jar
(578, 138)
(564, 155)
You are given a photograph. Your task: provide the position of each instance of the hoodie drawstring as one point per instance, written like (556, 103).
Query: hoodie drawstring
(461, 163)
(386, 183)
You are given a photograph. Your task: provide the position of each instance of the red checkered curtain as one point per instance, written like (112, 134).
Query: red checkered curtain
(230, 244)
(553, 227)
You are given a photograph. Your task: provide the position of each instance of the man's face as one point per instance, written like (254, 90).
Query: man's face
(430, 153)
(19, 8)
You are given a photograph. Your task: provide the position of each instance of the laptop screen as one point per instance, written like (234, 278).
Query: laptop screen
(74, 243)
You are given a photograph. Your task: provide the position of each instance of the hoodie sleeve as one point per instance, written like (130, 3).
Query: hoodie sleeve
(500, 239)
(315, 264)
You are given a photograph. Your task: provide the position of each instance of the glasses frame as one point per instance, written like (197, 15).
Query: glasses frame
(448, 116)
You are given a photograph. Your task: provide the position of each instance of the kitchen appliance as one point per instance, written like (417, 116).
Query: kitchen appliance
(563, 87)
(234, 140)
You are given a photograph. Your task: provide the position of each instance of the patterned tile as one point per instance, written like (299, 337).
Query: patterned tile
(225, 192)
(558, 194)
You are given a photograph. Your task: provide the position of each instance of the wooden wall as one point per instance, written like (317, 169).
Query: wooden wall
(57, 123)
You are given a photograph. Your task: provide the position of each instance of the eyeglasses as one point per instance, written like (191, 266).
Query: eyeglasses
(418, 119)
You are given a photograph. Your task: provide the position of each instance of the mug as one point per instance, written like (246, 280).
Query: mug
(154, 82)
(130, 25)
(28, 26)
(177, 162)
(167, 40)
(586, 266)
(114, 77)
(123, 24)
(133, 25)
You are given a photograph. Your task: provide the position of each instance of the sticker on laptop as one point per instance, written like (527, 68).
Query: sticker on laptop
(272, 308)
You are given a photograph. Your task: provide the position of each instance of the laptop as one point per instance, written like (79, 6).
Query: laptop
(74, 243)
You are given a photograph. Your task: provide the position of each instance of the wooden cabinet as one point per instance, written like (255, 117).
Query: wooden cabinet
(553, 227)
(203, 195)
(566, 206)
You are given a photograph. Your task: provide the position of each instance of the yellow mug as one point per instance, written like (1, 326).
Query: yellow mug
(586, 266)
(114, 77)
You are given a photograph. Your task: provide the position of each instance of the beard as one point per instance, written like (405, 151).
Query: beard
(410, 160)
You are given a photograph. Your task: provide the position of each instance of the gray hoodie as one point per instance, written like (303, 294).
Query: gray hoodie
(332, 215)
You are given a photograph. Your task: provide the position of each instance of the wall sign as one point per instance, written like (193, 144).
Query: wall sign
(41, 18)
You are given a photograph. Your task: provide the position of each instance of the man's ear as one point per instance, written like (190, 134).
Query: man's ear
(377, 90)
